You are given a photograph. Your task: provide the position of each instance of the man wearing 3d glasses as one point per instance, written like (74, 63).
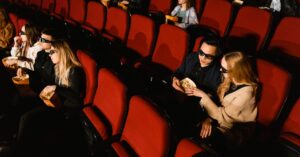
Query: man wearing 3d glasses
(203, 68)
(43, 72)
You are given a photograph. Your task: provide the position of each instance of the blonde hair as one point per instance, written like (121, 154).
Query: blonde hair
(240, 70)
(67, 61)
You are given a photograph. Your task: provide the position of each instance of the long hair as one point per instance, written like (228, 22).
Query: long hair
(189, 3)
(5, 17)
(32, 33)
(67, 61)
(240, 70)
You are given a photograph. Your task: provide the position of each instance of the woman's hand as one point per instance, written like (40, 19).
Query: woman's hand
(125, 2)
(194, 92)
(49, 89)
(20, 72)
(206, 128)
(176, 84)
(46, 94)
(11, 62)
(17, 41)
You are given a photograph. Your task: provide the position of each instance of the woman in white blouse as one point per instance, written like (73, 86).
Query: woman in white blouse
(26, 46)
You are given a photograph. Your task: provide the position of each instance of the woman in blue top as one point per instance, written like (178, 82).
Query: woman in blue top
(186, 14)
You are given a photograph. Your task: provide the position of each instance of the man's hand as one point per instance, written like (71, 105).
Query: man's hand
(176, 84)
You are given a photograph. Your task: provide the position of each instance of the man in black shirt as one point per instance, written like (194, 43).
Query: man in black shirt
(43, 73)
(203, 68)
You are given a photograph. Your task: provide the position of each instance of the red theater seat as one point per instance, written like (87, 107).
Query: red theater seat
(286, 38)
(170, 49)
(160, 6)
(216, 15)
(291, 130)
(275, 89)
(140, 40)
(107, 114)
(117, 24)
(187, 147)
(89, 66)
(146, 132)
(21, 22)
(35, 4)
(249, 30)
(95, 17)
(171, 46)
(77, 12)
(48, 6)
(14, 19)
(61, 10)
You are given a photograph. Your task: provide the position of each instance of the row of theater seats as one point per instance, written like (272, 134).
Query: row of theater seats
(108, 108)
(170, 47)
(247, 28)
(240, 31)
(139, 123)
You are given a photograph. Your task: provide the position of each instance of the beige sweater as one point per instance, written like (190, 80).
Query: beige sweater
(238, 106)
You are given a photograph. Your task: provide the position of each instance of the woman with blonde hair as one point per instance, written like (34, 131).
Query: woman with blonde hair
(69, 84)
(68, 74)
(231, 123)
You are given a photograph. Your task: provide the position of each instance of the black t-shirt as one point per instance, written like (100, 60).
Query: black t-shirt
(206, 78)
(43, 73)
(234, 88)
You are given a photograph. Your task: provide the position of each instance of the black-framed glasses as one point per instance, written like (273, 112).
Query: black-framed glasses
(22, 33)
(52, 52)
(43, 40)
(223, 70)
(208, 56)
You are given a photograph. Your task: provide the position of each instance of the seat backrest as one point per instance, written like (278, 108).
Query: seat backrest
(286, 37)
(187, 147)
(161, 6)
(198, 6)
(89, 66)
(117, 23)
(110, 99)
(96, 15)
(21, 22)
(275, 87)
(48, 5)
(145, 130)
(22, 2)
(171, 46)
(292, 123)
(77, 10)
(216, 15)
(249, 29)
(14, 19)
(140, 39)
(62, 7)
(36, 3)
(197, 43)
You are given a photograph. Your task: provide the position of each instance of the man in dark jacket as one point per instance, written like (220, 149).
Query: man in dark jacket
(203, 68)
(43, 73)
